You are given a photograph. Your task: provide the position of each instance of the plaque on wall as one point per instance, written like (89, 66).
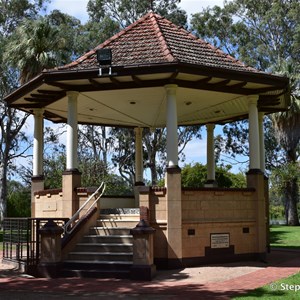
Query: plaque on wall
(219, 240)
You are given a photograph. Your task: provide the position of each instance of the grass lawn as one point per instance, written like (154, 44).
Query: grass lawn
(288, 288)
(285, 236)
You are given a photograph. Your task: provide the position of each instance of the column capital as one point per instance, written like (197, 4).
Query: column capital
(210, 126)
(138, 130)
(38, 112)
(73, 94)
(171, 88)
(252, 99)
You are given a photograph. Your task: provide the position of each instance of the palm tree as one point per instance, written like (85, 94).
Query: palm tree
(35, 46)
(287, 132)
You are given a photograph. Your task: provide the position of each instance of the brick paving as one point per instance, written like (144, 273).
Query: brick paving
(207, 282)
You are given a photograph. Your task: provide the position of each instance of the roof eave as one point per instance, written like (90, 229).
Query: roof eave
(142, 69)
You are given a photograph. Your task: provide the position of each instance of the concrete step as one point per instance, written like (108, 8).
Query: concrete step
(104, 247)
(100, 230)
(107, 251)
(114, 223)
(103, 269)
(100, 256)
(97, 239)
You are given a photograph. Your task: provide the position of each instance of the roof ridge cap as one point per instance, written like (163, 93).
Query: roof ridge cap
(161, 37)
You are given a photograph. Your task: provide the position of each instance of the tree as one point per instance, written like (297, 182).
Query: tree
(195, 176)
(11, 120)
(126, 12)
(18, 200)
(266, 35)
(35, 46)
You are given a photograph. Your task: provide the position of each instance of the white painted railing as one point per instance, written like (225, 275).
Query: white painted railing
(68, 228)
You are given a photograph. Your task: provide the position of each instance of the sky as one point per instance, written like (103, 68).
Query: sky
(77, 8)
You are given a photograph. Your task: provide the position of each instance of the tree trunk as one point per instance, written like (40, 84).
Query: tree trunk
(291, 200)
(3, 193)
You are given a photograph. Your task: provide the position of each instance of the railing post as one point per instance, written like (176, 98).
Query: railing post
(143, 267)
(50, 261)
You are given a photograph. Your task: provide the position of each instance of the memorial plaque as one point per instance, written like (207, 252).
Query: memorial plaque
(219, 240)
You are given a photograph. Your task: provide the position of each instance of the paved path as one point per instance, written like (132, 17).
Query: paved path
(207, 282)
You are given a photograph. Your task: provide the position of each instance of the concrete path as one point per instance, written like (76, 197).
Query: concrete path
(207, 282)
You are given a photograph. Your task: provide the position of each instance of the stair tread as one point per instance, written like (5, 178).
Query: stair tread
(113, 236)
(104, 244)
(101, 253)
(105, 227)
(108, 262)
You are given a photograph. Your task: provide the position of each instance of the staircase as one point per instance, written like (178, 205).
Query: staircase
(106, 252)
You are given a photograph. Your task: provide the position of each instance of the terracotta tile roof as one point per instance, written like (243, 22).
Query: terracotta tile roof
(153, 40)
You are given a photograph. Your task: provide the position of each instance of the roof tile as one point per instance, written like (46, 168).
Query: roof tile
(152, 40)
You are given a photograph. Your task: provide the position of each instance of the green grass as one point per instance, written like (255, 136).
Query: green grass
(280, 237)
(282, 289)
(285, 236)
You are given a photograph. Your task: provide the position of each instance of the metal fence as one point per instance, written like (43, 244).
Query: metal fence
(21, 238)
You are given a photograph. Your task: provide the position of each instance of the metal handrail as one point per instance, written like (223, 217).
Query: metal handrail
(100, 191)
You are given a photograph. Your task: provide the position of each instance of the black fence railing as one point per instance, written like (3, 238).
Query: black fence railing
(21, 239)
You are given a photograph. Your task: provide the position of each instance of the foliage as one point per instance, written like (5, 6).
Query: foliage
(195, 176)
(18, 200)
(13, 140)
(276, 212)
(266, 35)
(126, 12)
(285, 182)
(35, 46)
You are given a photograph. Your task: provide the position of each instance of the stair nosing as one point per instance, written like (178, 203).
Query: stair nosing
(101, 253)
(104, 244)
(113, 236)
(115, 262)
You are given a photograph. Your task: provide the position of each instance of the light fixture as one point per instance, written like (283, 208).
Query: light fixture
(104, 58)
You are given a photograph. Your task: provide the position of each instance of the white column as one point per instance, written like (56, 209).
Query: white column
(262, 141)
(254, 148)
(172, 135)
(138, 155)
(38, 142)
(210, 153)
(72, 132)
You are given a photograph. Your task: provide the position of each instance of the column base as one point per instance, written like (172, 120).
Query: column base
(142, 272)
(254, 171)
(139, 183)
(173, 170)
(210, 183)
(49, 270)
(71, 172)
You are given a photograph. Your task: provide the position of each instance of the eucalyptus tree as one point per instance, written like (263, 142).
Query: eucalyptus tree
(266, 35)
(12, 139)
(126, 12)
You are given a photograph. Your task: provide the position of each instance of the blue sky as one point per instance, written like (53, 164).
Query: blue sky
(77, 8)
